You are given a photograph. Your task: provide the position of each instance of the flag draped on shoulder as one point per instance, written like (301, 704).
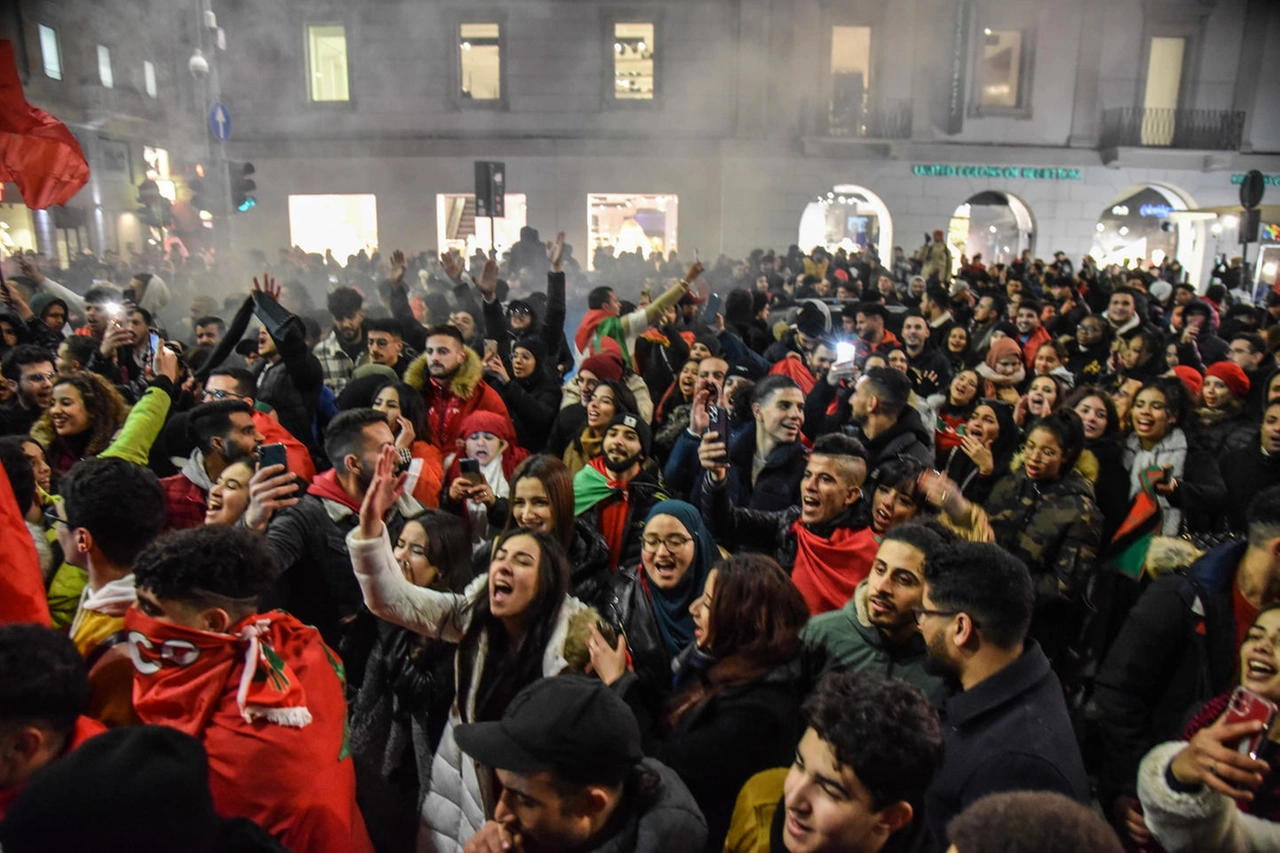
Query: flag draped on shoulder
(22, 596)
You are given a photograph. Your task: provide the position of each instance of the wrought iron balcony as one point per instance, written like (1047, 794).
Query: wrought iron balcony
(882, 120)
(1140, 127)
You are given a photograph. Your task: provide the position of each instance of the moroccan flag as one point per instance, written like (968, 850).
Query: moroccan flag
(37, 152)
(1127, 553)
(22, 597)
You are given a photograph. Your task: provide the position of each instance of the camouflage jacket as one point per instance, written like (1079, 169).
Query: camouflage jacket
(1053, 527)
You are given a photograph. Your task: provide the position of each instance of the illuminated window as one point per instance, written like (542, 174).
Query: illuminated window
(327, 62)
(149, 77)
(1000, 68)
(618, 223)
(633, 52)
(850, 74)
(480, 61)
(344, 224)
(104, 67)
(457, 226)
(50, 53)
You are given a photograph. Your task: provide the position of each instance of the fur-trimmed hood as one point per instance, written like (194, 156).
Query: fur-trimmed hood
(1086, 466)
(464, 383)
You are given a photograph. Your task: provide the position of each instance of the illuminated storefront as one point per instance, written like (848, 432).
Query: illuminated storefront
(627, 223)
(458, 227)
(849, 217)
(343, 224)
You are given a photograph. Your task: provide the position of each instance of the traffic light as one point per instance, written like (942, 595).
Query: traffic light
(242, 186)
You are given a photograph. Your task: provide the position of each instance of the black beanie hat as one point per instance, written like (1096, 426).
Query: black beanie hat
(536, 347)
(636, 423)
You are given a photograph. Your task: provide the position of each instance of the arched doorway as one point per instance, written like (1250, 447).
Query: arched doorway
(994, 224)
(1138, 226)
(848, 216)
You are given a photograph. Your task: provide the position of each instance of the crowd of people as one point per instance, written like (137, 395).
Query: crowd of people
(798, 553)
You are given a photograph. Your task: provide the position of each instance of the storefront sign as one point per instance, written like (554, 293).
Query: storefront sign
(1159, 211)
(1026, 173)
(1267, 180)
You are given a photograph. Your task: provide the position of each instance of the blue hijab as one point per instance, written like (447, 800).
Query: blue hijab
(671, 606)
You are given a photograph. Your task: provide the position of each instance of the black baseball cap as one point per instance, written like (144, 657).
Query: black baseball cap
(565, 722)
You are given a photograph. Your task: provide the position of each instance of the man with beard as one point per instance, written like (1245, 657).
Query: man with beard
(870, 319)
(30, 369)
(449, 375)
(614, 492)
(1031, 330)
(885, 422)
(876, 629)
(223, 432)
(986, 314)
(307, 533)
(345, 349)
(1004, 719)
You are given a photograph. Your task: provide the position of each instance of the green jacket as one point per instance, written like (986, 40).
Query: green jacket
(845, 639)
(141, 428)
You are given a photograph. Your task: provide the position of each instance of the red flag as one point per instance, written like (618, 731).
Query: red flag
(37, 152)
(22, 597)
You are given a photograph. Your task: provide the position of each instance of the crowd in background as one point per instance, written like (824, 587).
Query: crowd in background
(804, 551)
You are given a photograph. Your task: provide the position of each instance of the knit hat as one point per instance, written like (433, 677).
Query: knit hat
(536, 347)
(1232, 375)
(1160, 290)
(1002, 348)
(810, 321)
(711, 342)
(636, 423)
(604, 365)
(485, 421)
(938, 235)
(1191, 378)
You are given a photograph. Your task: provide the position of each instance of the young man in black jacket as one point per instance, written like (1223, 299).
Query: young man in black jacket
(1004, 720)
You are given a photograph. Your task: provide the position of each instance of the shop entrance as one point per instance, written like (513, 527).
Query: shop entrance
(996, 225)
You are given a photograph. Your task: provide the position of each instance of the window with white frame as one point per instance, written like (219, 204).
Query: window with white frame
(149, 77)
(50, 53)
(104, 67)
(327, 62)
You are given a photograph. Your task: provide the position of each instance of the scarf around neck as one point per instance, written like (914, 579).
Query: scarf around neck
(1169, 451)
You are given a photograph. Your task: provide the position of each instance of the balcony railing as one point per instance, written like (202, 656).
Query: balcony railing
(1205, 130)
(884, 120)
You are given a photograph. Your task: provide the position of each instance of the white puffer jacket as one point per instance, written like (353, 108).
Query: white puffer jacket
(453, 809)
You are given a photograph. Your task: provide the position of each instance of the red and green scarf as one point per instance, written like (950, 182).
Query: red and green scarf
(1127, 553)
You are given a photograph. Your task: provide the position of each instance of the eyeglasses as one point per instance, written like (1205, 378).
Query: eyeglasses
(40, 378)
(222, 395)
(673, 542)
(1048, 454)
(921, 612)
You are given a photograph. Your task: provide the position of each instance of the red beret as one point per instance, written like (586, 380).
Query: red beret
(1191, 378)
(1232, 375)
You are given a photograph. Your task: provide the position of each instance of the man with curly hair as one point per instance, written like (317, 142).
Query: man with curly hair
(260, 690)
(858, 780)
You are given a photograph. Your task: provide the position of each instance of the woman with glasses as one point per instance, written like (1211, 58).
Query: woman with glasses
(650, 602)
(1045, 515)
(736, 706)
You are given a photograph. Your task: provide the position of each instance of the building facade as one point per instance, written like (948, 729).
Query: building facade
(723, 125)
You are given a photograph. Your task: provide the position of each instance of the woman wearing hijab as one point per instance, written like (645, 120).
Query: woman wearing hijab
(529, 390)
(990, 439)
(650, 602)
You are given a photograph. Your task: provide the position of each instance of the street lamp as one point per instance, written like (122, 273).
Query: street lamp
(198, 65)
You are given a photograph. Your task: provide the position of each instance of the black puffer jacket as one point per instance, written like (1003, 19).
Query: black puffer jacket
(532, 404)
(628, 607)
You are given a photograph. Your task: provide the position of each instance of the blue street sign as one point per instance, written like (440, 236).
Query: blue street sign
(220, 122)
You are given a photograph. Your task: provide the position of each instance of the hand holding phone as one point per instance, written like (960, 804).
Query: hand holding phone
(1246, 706)
(469, 470)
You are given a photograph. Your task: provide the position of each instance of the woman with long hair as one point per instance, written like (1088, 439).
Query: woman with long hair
(1104, 439)
(509, 626)
(990, 439)
(407, 414)
(951, 411)
(542, 500)
(959, 350)
(399, 713)
(606, 400)
(89, 417)
(736, 707)
(1164, 458)
(1045, 395)
(650, 602)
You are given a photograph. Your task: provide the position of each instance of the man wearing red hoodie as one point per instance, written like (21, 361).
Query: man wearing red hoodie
(448, 373)
(44, 691)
